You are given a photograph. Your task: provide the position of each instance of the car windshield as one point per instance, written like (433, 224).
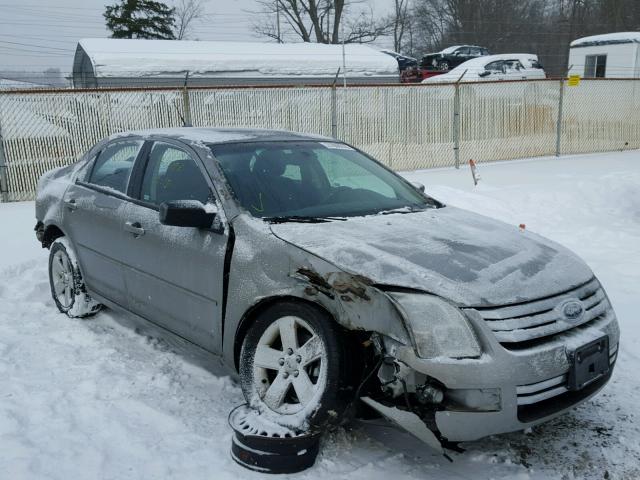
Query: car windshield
(310, 179)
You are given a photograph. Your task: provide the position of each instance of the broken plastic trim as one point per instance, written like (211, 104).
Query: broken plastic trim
(409, 421)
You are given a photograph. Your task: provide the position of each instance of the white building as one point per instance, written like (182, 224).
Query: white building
(106, 62)
(613, 55)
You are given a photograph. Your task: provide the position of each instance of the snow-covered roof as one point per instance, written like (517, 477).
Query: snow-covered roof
(7, 84)
(170, 58)
(223, 135)
(455, 47)
(477, 65)
(450, 49)
(607, 39)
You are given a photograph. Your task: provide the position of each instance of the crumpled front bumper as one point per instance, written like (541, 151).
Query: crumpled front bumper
(508, 390)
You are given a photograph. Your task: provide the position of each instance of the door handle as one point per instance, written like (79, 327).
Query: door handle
(71, 204)
(135, 228)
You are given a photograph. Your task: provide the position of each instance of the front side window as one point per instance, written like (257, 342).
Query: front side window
(114, 164)
(312, 179)
(497, 66)
(172, 174)
(595, 66)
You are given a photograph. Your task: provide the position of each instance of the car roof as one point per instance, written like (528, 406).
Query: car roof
(222, 135)
(477, 64)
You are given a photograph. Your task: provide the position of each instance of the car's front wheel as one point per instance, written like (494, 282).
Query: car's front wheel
(67, 286)
(443, 65)
(292, 366)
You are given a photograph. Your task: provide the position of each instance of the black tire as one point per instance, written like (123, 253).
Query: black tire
(330, 395)
(67, 286)
(444, 65)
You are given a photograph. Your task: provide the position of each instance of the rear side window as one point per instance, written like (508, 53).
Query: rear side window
(172, 174)
(513, 64)
(114, 164)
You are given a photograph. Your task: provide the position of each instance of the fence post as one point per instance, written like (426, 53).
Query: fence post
(186, 105)
(456, 121)
(334, 106)
(334, 113)
(559, 124)
(4, 184)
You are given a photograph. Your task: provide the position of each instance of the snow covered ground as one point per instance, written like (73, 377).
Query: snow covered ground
(85, 399)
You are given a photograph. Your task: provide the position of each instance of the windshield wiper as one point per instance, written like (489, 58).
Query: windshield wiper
(301, 219)
(405, 209)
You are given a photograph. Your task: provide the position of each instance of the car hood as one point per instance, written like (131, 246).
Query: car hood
(467, 258)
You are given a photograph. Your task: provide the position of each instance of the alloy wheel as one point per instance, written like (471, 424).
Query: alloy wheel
(62, 276)
(290, 365)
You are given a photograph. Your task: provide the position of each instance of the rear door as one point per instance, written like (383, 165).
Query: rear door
(461, 55)
(94, 208)
(174, 275)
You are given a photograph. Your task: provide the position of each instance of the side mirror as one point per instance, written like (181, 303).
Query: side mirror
(186, 213)
(486, 73)
(418, 186)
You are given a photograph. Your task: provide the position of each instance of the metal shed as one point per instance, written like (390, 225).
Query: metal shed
(106, 62)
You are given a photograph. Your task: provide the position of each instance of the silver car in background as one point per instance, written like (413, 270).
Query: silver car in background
(322, 277)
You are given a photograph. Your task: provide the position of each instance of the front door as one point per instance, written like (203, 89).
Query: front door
(93, 213)
(174, 275)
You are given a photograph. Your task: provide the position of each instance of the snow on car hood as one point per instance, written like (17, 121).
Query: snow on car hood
(467, 258)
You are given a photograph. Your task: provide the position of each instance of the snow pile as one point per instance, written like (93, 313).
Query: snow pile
(8, 84)
(98, 399)
(139, 58)
(21, 119)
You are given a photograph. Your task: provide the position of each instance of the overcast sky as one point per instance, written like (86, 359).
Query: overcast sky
(39, 34)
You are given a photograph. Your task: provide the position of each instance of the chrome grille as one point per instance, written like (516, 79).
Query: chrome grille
(513, 324)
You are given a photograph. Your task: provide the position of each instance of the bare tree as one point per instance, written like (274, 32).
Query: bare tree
(186, 13)
(320, 21)
(400, 23)
(543, 27)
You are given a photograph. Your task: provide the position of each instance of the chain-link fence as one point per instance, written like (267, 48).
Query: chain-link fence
(405, 126)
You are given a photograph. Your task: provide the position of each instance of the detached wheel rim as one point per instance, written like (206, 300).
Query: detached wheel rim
(290, 366)
(62, 277)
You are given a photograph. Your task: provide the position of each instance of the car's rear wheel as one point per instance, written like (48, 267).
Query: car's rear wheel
(292, 366)
(67, 286)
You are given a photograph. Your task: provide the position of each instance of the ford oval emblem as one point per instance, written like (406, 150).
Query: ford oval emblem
(572, 310)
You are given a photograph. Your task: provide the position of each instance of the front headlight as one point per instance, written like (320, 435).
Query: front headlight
(438, 328)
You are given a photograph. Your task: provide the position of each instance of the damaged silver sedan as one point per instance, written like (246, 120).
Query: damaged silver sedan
(323, 278)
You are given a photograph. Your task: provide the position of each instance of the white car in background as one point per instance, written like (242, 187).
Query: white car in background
(512, 66)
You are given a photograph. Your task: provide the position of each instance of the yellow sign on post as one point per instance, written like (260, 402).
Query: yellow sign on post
(574, 80)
